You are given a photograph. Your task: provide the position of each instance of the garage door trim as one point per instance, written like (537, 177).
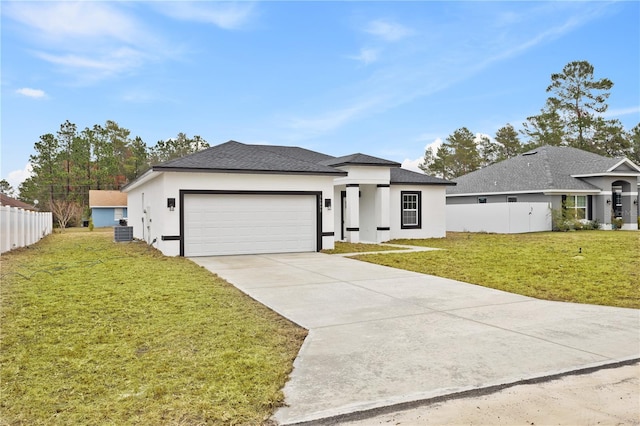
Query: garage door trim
(317, 194)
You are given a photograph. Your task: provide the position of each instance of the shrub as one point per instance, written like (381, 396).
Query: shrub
(617, 223)
(561, 222)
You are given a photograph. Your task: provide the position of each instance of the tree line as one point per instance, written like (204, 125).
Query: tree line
(69, 163)
(572, 116)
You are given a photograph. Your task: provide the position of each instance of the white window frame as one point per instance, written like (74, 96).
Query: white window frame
(572, 205)
(118, 213)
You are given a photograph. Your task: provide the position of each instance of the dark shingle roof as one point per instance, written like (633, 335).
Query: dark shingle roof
(359, 160)
(544, 168)
(296, 152)
(237, 157)
(407, 177)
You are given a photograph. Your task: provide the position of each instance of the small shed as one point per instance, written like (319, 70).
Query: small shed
(107, 207)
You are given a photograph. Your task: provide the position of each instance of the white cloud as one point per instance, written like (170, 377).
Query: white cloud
(61, 21)
(387, 30)
(622, 111)
(333, 119)
(413, 165)
(16, 177)
(229, 16)
(366, 56)
(89, 40)
(32, 93)
(106, 64)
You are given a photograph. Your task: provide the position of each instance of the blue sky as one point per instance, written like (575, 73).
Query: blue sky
(382, 78)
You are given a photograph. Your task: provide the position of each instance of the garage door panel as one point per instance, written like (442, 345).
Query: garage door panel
(218, 224)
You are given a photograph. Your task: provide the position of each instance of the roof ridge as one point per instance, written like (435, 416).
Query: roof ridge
(547, 166)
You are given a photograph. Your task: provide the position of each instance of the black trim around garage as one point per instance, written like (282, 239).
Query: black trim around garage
(170, 238)
(352, 229)
(353, 185)
(328, 234)
(318, 195)
(383, 228)
(383, 185)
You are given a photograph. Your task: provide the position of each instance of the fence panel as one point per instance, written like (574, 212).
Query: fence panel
(19, 228)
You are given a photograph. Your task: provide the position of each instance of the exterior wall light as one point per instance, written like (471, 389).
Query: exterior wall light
(608, 201)
(171, 204)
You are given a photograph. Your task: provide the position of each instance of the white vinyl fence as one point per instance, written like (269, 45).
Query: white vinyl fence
(20, 228)
(500, 218)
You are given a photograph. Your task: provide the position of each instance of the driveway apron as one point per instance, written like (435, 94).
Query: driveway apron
(380, 336)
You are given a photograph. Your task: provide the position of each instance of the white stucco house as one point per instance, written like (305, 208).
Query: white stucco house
(236, 198)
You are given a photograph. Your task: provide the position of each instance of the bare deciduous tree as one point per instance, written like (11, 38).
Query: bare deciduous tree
(64, 211)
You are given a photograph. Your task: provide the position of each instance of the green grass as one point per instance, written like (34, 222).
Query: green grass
(342, 248)
(95, 332)
(542, 265)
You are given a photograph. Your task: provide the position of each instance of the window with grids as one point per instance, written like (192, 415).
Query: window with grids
(410, 210)
(576, 205)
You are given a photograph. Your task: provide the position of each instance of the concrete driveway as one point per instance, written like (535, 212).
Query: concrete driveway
(380, 336)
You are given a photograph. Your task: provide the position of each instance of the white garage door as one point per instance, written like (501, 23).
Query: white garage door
(224, 224)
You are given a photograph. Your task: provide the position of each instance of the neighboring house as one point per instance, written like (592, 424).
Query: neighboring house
(518, 194)
(236, 198)
(5, 200)
(107, 207)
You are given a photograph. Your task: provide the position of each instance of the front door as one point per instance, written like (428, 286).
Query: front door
(617, 201)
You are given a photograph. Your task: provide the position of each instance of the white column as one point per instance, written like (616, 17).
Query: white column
(352, 221)
(383, 220)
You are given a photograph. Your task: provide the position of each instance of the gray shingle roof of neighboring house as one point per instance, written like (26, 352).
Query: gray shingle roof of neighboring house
(542, 169)
(403, 176)
(237, 157)
(359, 160)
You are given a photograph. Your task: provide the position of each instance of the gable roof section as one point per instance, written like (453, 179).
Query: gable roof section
(237, 157)
(407, 177)
(102, 198)
(5, 200)
(547, 168)
(359, 160)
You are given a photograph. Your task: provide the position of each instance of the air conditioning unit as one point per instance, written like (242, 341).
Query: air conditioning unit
(122, 233)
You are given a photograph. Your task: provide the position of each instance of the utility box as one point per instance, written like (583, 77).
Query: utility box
(122, 233)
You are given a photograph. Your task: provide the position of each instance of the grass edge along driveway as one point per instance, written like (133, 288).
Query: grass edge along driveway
(593, 267)
(96, 332)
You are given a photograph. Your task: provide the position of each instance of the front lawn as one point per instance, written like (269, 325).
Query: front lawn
(596, 267)
(96, 332)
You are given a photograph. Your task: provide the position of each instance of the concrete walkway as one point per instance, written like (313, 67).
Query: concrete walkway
(380, 336)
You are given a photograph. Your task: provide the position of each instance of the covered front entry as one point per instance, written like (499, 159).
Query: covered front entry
(364, 213)
(223, 223)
